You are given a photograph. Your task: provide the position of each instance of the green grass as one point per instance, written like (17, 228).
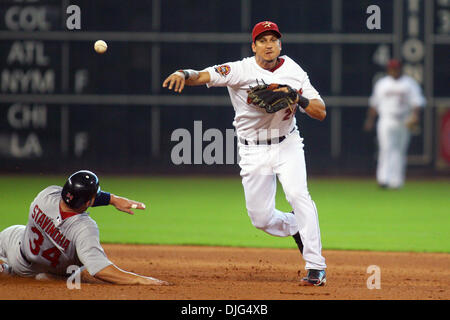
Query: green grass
(353, 214)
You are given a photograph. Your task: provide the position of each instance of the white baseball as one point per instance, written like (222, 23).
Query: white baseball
(100, 46)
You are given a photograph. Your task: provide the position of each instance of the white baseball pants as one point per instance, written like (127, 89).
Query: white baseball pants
(260, 166)
(10, 239)
(393, 141)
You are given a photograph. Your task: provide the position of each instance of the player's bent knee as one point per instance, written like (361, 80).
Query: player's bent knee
(259, 221)
(298, 196)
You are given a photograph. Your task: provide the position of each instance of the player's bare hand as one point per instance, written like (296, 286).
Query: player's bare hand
(412, 121)
(126, 205)
(175, 81)
(282, 89)
(149, 281)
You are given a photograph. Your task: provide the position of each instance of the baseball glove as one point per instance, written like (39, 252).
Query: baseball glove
(272, 97)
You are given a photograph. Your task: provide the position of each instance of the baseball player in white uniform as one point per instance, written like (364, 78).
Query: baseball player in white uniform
(270, 145)
(60, 233)
(397, 100)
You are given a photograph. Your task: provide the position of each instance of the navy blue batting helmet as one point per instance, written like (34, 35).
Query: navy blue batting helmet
(79, 188)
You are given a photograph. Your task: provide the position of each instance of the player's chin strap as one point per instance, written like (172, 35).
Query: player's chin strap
(186, 74)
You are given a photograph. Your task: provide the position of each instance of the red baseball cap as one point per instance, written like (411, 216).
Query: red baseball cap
(264, 26)
(394, 64)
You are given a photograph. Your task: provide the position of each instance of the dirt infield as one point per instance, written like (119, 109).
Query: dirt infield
(219, 273)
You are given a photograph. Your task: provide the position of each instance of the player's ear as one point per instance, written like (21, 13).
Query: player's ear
(279, 43)
(90, 203)
(253, 47)
(86, 205)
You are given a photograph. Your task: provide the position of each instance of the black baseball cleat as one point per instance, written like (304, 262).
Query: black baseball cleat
(298, 240)
(314, 278)
(382, 185)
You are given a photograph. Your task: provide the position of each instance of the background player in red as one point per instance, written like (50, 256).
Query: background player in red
(396, 100)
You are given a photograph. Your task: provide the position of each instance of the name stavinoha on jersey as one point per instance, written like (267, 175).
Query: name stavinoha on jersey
(49, 228)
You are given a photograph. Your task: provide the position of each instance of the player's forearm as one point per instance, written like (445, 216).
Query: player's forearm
(198, 78)
(316, 109)
(121, 203)
(114, 275)
(180, 78)
(372, 113)
(370, 119)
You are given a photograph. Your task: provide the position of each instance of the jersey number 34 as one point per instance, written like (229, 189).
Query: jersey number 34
(51, 254)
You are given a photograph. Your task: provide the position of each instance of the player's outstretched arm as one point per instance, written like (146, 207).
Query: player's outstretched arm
(125, 205)
(180, 78)
(115, 275)
(121, 203)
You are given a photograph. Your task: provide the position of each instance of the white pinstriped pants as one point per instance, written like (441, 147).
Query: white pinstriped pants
(260, 166)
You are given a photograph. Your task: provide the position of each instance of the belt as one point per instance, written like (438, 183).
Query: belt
(266, 142)
(23, 255)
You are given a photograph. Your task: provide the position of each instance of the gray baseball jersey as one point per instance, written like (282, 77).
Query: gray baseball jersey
(54, 240)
